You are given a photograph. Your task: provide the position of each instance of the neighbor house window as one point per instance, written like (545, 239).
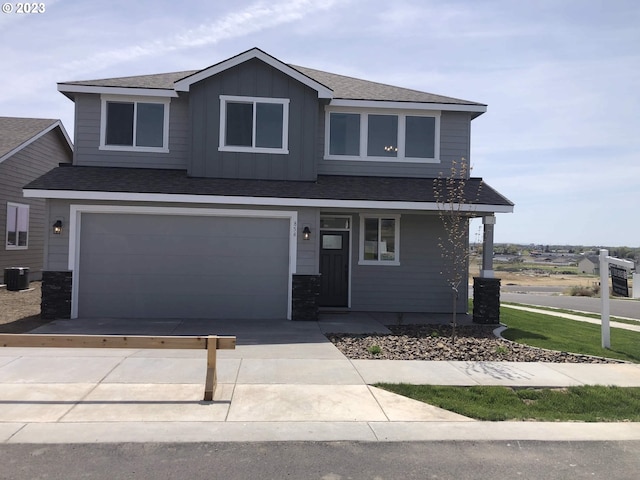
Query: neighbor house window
(134, 124)
(17, 226)
(377, 135)
(379, 239)
(256, 125)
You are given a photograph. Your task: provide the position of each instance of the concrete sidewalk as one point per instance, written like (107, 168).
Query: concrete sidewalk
(285, 381)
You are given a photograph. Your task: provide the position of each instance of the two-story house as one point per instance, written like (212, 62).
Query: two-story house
(253, 189)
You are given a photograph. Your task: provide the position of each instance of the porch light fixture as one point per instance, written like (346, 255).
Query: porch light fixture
(57, 227)
(306, 233)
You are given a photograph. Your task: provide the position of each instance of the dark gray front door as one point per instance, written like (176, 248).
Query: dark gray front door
(334, 269)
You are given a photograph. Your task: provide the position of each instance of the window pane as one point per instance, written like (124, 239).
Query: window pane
(150, 125)
(119, 123)
(420, 137)
(23, 225)
(383, 136)
(269, 125)
(336, 223)
(239, 124)
(387, 239)
(12, 213)
(371, 239)
(344, 135)
(331, 242)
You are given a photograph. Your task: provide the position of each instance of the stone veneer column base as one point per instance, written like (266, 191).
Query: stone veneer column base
(486, 300)
(304, 297)
(56, 295)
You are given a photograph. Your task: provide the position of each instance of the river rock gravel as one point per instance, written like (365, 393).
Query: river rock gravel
(435, 342)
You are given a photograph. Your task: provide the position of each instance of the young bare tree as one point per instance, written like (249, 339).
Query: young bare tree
(452, 197)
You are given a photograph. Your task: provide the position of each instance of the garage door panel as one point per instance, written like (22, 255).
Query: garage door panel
(125, 265)
(165, 266)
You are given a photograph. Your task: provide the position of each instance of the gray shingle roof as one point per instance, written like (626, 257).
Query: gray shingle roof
(343, 87)
(16, 131)
(143, 180)
(162, 81)
(356, 89)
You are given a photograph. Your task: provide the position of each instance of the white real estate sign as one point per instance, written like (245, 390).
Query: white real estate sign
(605, 261)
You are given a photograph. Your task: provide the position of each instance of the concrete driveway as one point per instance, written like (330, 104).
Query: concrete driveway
(285, 381)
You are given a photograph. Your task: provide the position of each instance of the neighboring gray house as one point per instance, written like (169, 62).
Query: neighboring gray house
(590, 264)
(29, 147)
(253, 189)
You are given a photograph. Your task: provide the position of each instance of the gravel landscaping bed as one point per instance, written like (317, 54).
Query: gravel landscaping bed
(434, 342)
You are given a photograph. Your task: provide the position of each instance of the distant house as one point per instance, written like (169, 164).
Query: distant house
(29, 148)
(590, 265)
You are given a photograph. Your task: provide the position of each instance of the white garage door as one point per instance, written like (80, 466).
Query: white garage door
(176, 266)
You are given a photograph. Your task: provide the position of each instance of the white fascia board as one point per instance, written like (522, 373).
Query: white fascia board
(137, 92)
(183, 85)
(36, 137)
(263, 201)
(447, 107)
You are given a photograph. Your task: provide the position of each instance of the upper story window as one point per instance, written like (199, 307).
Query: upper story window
(254, 124)
(17, 226)
(134, 124)
(377, 135)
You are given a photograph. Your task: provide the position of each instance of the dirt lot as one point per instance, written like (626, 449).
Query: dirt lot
(20, 311)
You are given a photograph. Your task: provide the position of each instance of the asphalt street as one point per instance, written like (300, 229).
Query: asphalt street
(326, 461)
(618, 307)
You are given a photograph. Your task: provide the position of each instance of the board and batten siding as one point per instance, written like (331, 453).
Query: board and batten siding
(416, 285)
(455, 133)
(31, 162)
(253, 78)
(87, 137)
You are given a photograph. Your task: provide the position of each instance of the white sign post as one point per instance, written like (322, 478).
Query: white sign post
(605, 261)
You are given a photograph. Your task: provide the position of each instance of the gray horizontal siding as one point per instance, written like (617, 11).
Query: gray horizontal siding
(417, 284)
(254, 79)
(25, 166)
(454, 145)
(87, 135)
(58, 252)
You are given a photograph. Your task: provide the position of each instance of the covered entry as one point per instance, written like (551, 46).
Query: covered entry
(164, 265)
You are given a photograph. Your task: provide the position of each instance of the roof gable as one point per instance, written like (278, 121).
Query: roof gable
(17, 133)
(184, 84)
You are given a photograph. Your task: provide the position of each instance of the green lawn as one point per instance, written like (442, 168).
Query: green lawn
(572, 312)
(585, 403)
(557, 333)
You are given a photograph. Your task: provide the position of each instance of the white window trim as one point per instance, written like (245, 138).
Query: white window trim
(135, 100)
(223, 124)
(361, 260)
(6, 238)
(364, 131)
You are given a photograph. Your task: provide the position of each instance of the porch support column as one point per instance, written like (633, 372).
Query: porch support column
(486, 288)
(488, 223)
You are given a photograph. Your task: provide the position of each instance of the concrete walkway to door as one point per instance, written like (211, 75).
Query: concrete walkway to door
(285, 381)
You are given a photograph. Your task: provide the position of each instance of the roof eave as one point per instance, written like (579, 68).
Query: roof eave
(472, 209)
(475, 109)
(70, 89)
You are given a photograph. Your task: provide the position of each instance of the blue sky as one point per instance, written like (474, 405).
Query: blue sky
(561, 137)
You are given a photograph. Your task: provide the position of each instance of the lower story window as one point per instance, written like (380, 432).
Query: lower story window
(379, 239)
(17, 226)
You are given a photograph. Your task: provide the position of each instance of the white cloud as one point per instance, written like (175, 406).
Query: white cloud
(250, 20)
